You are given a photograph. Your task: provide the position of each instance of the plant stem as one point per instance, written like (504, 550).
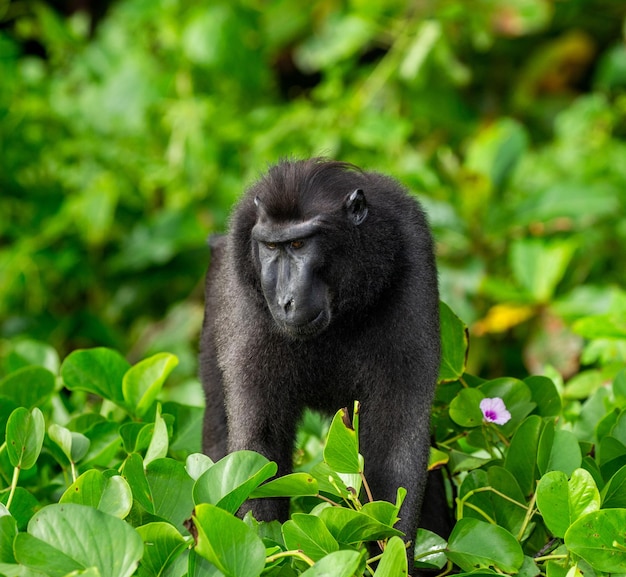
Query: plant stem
(294, 553)
(549, 557)
(529, 514)
(16, 475)
(367, 487)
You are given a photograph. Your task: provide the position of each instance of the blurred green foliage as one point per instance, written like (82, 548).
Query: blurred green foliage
(123, 147)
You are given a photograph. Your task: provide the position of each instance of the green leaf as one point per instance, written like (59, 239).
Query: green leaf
(341, 452)
(8, 531)
(614, 492)
(350, 527)
(28, 387)
(171, 490)
(584, 496)
(393, 562)
(337, 564)
(135, 476)
(599, 538)
(429, 550)
(521, 458)
(539, 266)
(110, 495)
(24, 437)
(143, 382)
(309, 534)
(454, 345)
(292, 485)
(475, 544)
(159, 443)
(196, 464)
(162, 545)
(507, 514)
(66, 537)
(232, 479)
(74, 445)
(496, 150)
(558, 451)
(228, 542)
(99, 371)
(545, 395)
(553, 502)
(562, 502)
(465, 408)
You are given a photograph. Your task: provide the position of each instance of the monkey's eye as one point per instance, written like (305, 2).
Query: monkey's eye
(296, 244)
(270, 245)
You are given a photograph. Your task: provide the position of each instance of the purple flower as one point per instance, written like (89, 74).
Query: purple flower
(494, 411)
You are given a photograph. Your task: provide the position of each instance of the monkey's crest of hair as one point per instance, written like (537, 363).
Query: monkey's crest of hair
(300, 189)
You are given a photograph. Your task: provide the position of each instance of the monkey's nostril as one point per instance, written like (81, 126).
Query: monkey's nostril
(289, 305)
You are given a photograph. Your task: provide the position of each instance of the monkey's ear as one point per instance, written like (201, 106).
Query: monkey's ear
(260, 208)
(356, 206)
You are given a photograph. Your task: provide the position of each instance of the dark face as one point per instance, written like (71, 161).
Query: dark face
(290, 258)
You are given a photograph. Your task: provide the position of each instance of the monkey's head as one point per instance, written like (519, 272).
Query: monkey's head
(306, 216)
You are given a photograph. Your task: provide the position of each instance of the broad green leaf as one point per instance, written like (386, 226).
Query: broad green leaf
(341, 452)
(143, 382)
(110, 495)
(309, 534)
(599, 538)
(162, 545)
(292, 485)
(196, 464)
(135, 475)
(614, 492)
(508, 515)
(553, 502)
(328, 481)
(24, 437)
(75, 537)
(228, 542)
(562, 502)
(454, 345)
(429, 552)
(28, 387)
(496, 150)
(481, 501)
(98, 370)
(337, 564)
(38, 555)
(383, 511)
(475, 544)
(394, 561)
(232, 479)
(558, 451)
(350, 527)
(8, 531)
(23, 506)
(159, 443)
(521, 458)
(539, 265)
(584, 496)
(465, 408)
(28, 352)
(171, 490)
(545, 395)
(74, 445)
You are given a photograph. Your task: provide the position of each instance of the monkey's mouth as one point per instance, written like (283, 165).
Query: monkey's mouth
(307, 329)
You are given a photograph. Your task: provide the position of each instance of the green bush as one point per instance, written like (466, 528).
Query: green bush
(100, 477)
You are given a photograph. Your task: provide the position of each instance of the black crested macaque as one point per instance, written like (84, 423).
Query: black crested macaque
(324, 292)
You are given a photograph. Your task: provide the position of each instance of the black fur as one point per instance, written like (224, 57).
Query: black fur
(374, 270)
